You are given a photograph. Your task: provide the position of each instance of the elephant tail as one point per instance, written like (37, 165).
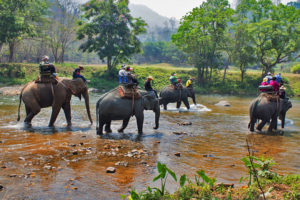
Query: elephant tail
(97, 115)
(20, 101)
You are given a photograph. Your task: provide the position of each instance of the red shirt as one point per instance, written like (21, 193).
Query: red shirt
(275, 85)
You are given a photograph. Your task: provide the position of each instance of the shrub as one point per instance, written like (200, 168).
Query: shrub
(296, 69)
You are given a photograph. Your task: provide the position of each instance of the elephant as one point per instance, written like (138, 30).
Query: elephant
(169, 95)
(111, 106)
(41, 95)
(268, 110)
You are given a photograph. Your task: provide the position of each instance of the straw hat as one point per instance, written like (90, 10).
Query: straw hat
(81, 67)
(150, 78)
(265, 80)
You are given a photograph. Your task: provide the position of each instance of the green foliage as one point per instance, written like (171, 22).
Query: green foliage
(206, 179)
(296, 69)
(110, 30)
(200, 34)
(17, 18)
(261, 166)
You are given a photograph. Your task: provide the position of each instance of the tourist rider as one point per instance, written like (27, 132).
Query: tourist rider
(76, 73)
(279, 79)
(122, 75)
(46, 67)
(189, 83)
(264, 83)
(173, 79)
(269, 77)
(148, 86)
(131, 79)
(275, 85)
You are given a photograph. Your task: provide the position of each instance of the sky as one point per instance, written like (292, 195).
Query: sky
(173, 8)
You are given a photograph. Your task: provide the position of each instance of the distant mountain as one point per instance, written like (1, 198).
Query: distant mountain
(151, 17)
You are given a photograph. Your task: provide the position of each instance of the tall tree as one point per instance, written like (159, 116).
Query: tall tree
(274, 31)
(110, 30)
(200, 33)
(17, 19)
(62, 27)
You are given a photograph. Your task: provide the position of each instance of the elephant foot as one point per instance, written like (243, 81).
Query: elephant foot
(99, 133)
(140, 132)
(252, 129)
(69, 124)
(259, 129)
(120, 130)
(27, 124)
(108, 131)
(155, 127)
(51, 125)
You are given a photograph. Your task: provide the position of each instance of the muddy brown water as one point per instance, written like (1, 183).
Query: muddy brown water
(70, 163)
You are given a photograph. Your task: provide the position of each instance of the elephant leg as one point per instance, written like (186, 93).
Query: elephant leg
(261, 125)
(30, 113)
(273, 124)
(252, 124)
(165, 106)
(124, 125)
(186, 103)
(100, 128)
(67, 110)
(140, 122)
(178, 104)
(55, 112)
(107, 127)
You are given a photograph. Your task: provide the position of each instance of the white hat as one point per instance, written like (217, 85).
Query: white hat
(45, 57)
(269, 73)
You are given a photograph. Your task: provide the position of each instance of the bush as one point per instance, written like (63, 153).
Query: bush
(296, 69)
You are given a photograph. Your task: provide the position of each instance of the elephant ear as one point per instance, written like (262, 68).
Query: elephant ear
(78, 87)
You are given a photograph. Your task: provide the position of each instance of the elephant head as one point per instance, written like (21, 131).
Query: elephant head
(150, 102)
(79, 88)
(191, 93)
(285, 105)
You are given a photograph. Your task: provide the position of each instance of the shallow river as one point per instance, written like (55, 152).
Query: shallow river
(70, 163)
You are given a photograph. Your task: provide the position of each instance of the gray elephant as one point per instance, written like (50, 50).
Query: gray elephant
(111, 106)
(268, 108)
(170, 95)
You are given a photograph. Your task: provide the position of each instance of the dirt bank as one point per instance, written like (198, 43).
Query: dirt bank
(11, 90)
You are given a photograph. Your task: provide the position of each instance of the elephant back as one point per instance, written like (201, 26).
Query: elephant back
(128, 92)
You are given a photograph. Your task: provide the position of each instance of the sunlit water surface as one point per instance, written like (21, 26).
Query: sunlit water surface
(48, 163)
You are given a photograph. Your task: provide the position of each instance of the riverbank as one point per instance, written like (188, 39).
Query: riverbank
(19, 73)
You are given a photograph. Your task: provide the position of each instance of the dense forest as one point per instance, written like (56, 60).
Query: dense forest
(256, 34)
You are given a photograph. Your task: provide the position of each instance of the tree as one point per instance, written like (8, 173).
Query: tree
(17, 20)
(62, 27)
(274, 31)
(200, 33)
(110, 30)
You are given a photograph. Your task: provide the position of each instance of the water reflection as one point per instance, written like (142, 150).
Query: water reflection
(58, 160)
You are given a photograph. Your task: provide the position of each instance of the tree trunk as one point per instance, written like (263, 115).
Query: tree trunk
(210, 73)
(11, 51)
(109, 66)
(225, 69)
(242, 75)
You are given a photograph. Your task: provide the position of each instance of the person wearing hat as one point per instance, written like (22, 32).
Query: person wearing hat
(122, 75)
(264, 83)
(76, 73)
(189, 83)
(47, 68)
(131, 79)
(282, 92)
(173, 79)
(269, 77)
(148, 86)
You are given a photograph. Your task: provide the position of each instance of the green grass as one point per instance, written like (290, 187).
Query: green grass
(20, 73)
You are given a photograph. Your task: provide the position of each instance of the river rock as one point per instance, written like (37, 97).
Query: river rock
(180, 133)
(184, 123)
(110, 170)
(122, 163)
(178, 154)
(1, 187)
(22, 158)
(223, 103)
(94, 90)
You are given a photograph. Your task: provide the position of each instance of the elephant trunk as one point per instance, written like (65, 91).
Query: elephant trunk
(282, 120)
(87, 104)
(157, 115)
